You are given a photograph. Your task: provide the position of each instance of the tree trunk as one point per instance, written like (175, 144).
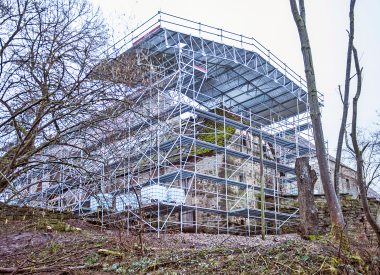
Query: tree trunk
(359, 153)
(345, 101)
(140, 221)
(331, 198)
(306, 179)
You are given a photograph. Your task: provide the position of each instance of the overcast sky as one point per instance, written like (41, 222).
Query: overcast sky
(271, 23)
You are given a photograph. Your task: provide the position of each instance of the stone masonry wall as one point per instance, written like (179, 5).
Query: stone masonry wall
(37, 217)
(356, 222)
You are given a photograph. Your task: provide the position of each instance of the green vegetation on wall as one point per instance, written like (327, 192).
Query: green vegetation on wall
(215, 137)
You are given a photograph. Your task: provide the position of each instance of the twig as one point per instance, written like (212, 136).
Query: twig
(17, 268)
(289, 266)
(224, 240)
(263, 258)
(69, 255)
(48, 268)
(286, 266)
(321, 266)
(153, 266)
(242, 252)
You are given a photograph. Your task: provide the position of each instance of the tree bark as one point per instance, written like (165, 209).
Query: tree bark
(306, 179)
(359, 153)
(331, 198)
(345, 101)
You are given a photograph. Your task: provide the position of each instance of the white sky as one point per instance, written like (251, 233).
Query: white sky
(271, 23)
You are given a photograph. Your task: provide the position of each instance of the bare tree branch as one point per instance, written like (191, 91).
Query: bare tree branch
(359, 153)
(345, 100)
(49, 91)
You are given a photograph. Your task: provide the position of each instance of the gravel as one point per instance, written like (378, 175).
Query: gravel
(201, 241)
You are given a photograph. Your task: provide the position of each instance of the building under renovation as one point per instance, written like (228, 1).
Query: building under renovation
(186, 154)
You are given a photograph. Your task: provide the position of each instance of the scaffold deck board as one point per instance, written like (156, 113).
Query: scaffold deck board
(289, 180)
(256, 214)
(171, 112)
(266, 136)
(299, 128)
(182, 174)
(302, 151)
(165, 208)
(274, 139)
(183, 140)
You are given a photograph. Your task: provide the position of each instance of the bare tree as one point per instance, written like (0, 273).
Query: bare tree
(371, 156)
(15, 16)
(336, 215)
(359, 151)
(345, 100)
(48, 91)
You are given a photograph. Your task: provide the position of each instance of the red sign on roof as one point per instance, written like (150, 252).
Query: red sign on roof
(146, 35)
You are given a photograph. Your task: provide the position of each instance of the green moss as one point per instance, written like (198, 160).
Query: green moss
(337, 233)
(358, 259)
(310, 237)
(60, 226)
(218, 136)
(57, 226)
(112, 253)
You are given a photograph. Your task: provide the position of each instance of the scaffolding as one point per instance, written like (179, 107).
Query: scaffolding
(187, 150)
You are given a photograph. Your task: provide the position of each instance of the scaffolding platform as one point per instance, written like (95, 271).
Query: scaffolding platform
(183, 140)
(289, 180)
(175, 111)
(256, 214)
(298, 128)
(182, 174)
(171, 112)
(279, 141)
(302, 151)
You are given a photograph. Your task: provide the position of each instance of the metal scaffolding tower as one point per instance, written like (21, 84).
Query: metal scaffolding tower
(187, 149)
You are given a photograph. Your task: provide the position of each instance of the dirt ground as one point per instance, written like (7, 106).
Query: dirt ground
(96, 250)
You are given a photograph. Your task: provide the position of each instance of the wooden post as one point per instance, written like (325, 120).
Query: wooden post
(262, 188)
